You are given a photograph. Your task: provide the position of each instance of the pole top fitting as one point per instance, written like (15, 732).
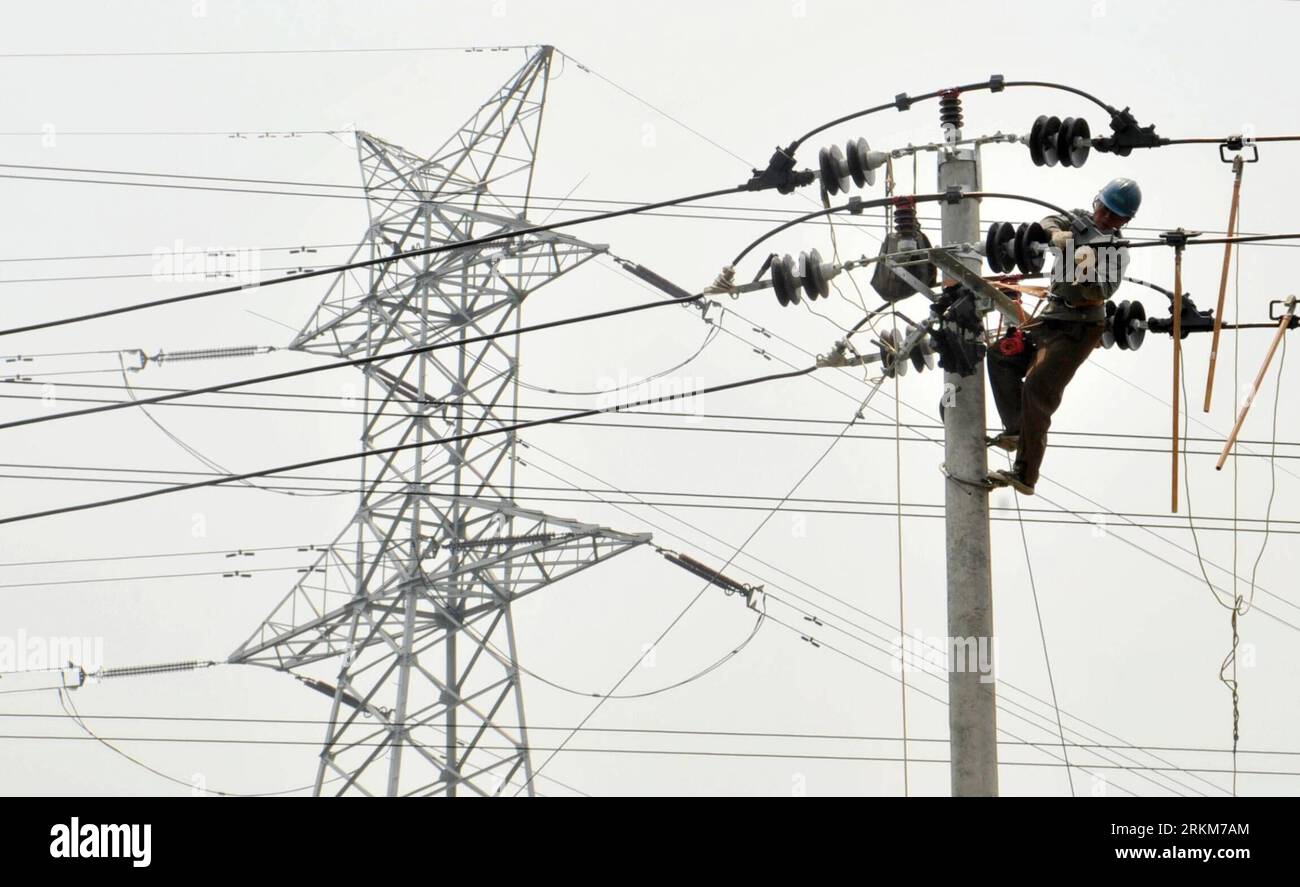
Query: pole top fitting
(1178, 238)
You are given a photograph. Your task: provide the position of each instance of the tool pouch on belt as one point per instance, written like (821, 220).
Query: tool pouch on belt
(1074, 302)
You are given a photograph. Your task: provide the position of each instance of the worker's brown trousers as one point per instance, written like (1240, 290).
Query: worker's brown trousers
(1027, 387)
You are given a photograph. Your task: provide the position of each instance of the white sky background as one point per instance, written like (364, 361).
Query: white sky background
(1135, 643)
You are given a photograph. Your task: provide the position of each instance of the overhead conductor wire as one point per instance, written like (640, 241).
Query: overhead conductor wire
(708, 584)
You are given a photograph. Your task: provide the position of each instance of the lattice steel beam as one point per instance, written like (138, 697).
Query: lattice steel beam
(415, 595)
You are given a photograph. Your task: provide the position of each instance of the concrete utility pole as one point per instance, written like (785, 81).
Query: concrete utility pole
(972, 699)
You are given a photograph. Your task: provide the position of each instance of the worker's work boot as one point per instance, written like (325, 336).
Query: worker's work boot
(1011, 479)
(1007, 440)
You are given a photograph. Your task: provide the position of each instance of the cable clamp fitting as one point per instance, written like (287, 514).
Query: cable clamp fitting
(1237, 145)
(1178, 239)
(725, 282)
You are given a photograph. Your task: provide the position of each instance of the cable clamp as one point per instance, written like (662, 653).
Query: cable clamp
(1288, 303)
(725, 282)
(1238, 144)
(1178, 239)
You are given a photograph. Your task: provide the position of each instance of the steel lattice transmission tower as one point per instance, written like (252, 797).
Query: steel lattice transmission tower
(415, 595)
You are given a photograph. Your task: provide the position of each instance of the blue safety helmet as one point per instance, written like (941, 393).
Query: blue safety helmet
(1121, 196)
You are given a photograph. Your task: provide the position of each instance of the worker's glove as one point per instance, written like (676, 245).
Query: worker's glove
(1085, 260)
(1061, 240)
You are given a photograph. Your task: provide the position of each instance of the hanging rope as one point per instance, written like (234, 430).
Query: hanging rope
(1241, 604)
(1042, 634)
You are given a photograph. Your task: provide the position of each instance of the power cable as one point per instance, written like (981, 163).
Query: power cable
(70, 710)
(762, 579)
(1137, 769)
(376, 261)
(780, 419)
(715, 500)
(1042, 633)
(210, 463)
(182, 53)
(225, 552)
(653, 731)
(818, 644)
(1042, 496)
(708, 584)
(441, 345)
(380, 451)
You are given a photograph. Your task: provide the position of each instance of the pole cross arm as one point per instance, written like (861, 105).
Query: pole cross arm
(952, 266)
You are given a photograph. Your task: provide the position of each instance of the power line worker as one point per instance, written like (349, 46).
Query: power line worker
(1030, 366)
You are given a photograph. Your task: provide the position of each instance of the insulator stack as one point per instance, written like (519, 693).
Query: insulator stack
(211, 353)
(1126, 325)
(1008, 247)
(329, 690)
(894, 361)
(132, 671)
(905, 221)
(533, 539)
(856, 163)
(907, 235)
(691, 565)
(950, 109)
(808, 272)
(1052, 140)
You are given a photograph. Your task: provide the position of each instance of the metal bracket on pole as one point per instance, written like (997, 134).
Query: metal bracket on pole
(952, 266)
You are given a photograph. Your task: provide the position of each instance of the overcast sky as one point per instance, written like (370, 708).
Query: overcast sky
(1135, 636)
